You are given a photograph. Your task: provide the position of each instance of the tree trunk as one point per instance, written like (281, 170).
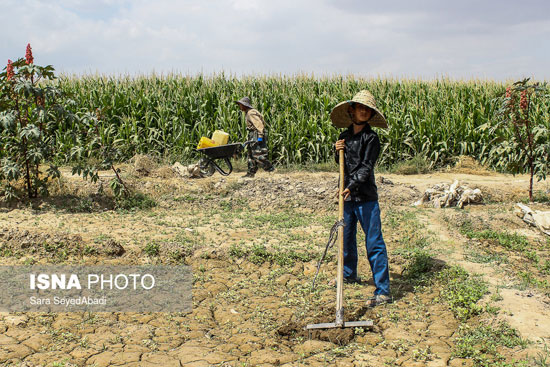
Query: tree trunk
(29, 187)
(120, 180)
(532, 169)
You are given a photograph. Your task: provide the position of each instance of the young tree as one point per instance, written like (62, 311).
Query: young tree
(30, 114)
(90, 142)
(38, 128)
(522, 137)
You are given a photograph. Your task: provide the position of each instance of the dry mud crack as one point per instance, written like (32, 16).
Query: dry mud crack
(253, 246)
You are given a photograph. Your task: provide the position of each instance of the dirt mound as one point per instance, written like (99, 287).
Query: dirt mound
(283, 192)
(338, 336)
(396, 193)
(319, 193)
(59, 247)
(143, 165)
(19, 243)
(112, 248)
(468, 165)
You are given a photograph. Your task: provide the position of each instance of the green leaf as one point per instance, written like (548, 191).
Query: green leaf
(10, 170)
(7, 119)
(30, 132)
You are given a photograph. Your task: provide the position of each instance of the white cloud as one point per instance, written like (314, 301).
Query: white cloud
(245, 5)
(288, 36)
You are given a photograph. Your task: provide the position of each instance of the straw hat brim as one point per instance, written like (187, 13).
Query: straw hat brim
(244, 103)
(341, 119)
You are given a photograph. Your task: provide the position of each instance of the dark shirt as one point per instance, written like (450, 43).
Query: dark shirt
(360, 155)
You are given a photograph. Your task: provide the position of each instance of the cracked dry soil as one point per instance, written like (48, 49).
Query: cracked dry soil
(248, 310)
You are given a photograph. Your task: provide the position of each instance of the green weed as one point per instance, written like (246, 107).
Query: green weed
(237, 251)
(152, 249)
(136, 200)
(90, 250)
(187, 198)
(259, 254)
(529, 280)
(395, 218)
(420, 263)
(543, 358)
(282, 220)
(462, 292)
(484, 257)
(423, 355)
(538, 197)
(482, 344)
(510, 241)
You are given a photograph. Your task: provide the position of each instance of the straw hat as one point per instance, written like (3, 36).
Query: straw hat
(245, 101)
(340, 116)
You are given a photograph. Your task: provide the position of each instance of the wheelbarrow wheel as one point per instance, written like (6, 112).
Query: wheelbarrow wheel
(206, 167)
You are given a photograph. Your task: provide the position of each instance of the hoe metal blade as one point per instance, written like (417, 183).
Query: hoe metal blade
(332, 325)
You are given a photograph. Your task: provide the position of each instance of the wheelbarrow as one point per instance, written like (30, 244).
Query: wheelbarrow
(207, 163)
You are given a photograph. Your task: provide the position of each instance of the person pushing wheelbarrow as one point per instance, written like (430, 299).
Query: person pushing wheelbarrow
(361, 147)
(257, 149)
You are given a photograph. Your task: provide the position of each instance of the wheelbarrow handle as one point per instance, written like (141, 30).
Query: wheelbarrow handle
(220, 170)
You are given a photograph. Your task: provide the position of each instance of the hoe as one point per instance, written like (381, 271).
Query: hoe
(340, 323)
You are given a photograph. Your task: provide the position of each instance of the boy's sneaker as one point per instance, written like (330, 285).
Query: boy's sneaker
(379, 299)
(249, 175)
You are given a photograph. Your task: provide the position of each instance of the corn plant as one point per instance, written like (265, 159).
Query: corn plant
(167, 115)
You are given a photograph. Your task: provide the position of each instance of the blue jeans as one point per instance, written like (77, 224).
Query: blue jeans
(368, 214)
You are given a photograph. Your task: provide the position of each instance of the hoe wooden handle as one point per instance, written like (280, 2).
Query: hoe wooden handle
(340, 275)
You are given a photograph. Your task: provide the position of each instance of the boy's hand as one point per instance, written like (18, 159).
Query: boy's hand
(340, 144)
(346, 193)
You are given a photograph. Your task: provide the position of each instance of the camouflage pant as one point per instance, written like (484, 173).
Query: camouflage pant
(257, 154)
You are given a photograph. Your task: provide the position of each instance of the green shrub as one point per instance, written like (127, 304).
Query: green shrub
(134, 200)
(420, 263)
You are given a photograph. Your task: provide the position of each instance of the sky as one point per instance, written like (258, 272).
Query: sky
(428, 39)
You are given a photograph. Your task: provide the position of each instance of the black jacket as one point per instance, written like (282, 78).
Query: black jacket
(360, 156)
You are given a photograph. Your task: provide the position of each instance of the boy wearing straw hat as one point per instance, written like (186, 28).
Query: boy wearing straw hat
(361, 147)
(257, 150)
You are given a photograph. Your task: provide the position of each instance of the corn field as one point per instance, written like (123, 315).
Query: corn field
(166, 116)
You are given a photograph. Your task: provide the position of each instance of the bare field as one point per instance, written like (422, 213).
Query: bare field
(471, 287)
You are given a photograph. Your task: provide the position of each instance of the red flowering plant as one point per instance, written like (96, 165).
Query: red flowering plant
(9, 71)
(28, 55)
(31, 111)
(522, 136)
